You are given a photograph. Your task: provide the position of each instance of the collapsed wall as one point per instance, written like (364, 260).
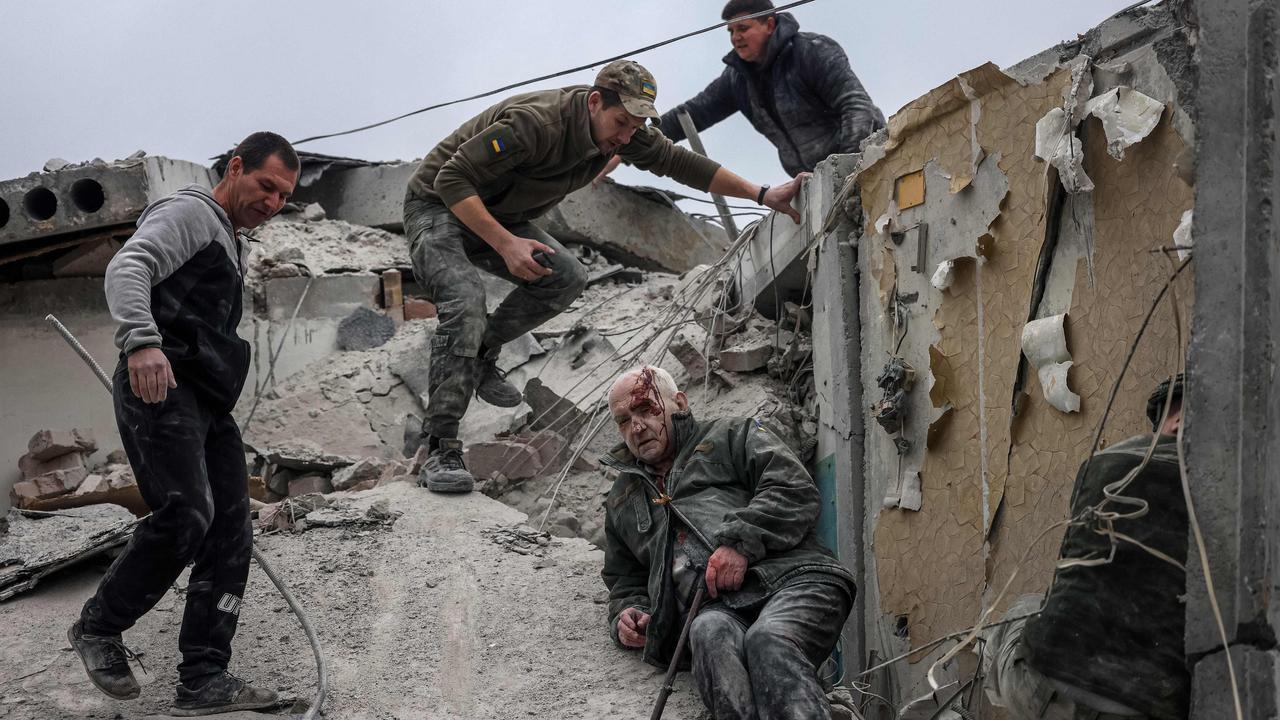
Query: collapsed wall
(1016, 226)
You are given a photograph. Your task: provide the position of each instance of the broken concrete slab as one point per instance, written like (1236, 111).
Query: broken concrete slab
(36, 545)
(30, 467)
(514, 459)
(365, 329)
(622, 222)
(76, 198)
(49, 444)
(372, 195)
(773, 268)
(309, 484)
(87, 260)
(551, 411)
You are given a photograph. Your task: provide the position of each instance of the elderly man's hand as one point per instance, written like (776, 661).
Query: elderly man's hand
(632, 624)
(726, 570)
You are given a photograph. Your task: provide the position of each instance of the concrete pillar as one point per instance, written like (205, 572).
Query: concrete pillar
(836, 373)
(1233, 394)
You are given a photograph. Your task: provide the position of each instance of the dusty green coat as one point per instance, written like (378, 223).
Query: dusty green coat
(733, 483)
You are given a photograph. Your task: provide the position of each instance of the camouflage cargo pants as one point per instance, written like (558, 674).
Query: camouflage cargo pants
(447, 258)
(1013, 684)
(765, 667)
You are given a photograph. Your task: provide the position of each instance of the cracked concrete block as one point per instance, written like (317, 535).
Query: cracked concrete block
(49, 444)
(32, 468)
(75, 198)
(773, 270)
(362, 470)
(745, 359)
(622, 222)
(551, 411)
(372, 195)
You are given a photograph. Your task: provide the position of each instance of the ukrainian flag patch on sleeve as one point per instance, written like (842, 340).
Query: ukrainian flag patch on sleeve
(500, 141)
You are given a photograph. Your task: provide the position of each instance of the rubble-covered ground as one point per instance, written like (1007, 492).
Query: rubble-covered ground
(432, 606)
(429, 618)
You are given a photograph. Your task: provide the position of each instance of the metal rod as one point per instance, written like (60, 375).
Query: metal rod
(322, 668)
(668, 684)
(695, 142)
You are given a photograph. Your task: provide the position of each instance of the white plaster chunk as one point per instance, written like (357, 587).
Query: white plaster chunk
(1044, 342)
(944, 275)
(912, 494)
(1182, 237)
(1057, 145)
(1127, 117)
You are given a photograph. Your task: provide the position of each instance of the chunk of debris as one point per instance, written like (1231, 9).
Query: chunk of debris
(38, 544)
(418, 309)
(514, 458)
(551, 411)
(362, 471)
(1127, 117)
(49, 444)
(746, 358)
(377, 515)
(310, 484)
(365, 329)
(519, 539)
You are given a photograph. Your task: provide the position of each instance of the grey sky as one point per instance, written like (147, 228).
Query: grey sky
(185, 79)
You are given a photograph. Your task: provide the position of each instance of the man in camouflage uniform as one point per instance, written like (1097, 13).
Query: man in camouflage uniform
(723, 502)
(469, 207)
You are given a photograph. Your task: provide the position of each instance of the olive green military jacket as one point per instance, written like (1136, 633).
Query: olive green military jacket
(525, 154)
(733, 483)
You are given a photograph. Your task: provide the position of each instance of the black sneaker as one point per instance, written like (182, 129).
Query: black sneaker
(224, 693)
(106, 660)
(492, 386)
(443, 471)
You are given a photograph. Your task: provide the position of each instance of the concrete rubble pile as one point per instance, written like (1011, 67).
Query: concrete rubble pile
(341, 335)
(57, 474)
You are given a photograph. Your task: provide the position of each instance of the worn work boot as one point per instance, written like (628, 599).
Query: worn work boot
(492, 386)
(443, 471)
(224, 693)
(106, 660)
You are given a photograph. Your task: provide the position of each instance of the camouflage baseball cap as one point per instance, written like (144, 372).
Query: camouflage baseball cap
(634, 85)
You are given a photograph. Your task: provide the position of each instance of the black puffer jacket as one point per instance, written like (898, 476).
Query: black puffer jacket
(804, 98)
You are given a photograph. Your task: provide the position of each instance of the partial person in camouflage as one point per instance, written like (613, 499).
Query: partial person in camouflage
(469, 207)
(1108, 642)
(725, 503)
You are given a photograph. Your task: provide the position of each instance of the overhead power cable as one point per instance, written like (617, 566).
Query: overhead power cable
(550, 76)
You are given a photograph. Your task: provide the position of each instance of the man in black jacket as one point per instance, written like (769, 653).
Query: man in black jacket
(175, 290)
(796, 88)
(1108, 642)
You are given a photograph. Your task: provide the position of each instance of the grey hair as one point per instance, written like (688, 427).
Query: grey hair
(665, 383)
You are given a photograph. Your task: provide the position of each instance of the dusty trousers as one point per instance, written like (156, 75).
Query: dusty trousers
(189, 463)
(447, 258)
(765, 668)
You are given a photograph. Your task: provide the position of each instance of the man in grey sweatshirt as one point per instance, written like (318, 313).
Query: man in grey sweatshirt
(175, 289)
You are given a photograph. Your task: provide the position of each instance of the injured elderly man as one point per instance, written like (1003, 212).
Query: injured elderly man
(726, 503)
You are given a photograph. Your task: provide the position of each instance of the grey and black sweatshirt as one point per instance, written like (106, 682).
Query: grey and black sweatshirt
(177, 285)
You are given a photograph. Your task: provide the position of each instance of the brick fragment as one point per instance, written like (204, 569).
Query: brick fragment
(418, 309)
(49, 444)
(32, 467)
